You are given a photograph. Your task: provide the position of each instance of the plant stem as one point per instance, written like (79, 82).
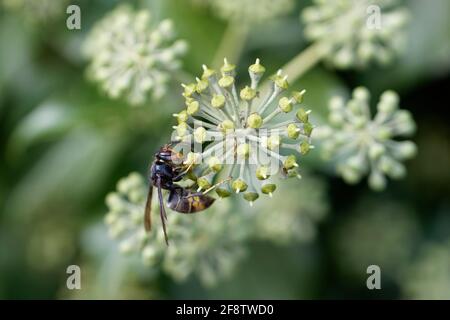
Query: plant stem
(231, 45)
(301, 63)
(304, 61)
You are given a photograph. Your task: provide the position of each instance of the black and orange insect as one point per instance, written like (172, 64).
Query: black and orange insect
(164, 172)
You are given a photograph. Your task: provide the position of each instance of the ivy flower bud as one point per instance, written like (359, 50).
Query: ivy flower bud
(226, 81)
(215, 164)
(290, 162)
(192, 158)
(293, 131)
(251, 197)
(243, 150)
(193, 108)
(248, 93)
(205, 182)
(285, 105)
(273, 142)
(218, 101)
(262, 173)
(226, 126)
(268, 188)
(200, 135)
(254, 121)
(239, 185)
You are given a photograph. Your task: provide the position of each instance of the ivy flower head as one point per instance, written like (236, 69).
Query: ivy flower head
(360, 144)
(131, 56)
(356, 32)
(37, 10)
(249, 11)
(428, 276)
(243, 136)
(202, 244)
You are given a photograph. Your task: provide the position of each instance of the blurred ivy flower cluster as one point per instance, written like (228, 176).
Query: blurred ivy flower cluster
(37, 10)
(208, 245)
(202, 244)
(286, 222)
(250, 11)
(354, 33)
(131, 56)
(360, 144)
(428, 276)
(242, 135)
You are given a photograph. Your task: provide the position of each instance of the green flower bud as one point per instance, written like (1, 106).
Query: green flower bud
(218, 101)
(273, 142)
(202, 85)
(193, 107)
(376, 150)
(254, 121)
(388, 102)
(304, 147)
(406, 150)
(268, 188)
(243, 150)
(239, 185)
(223, 191)
(257, 68)
(280, 82)
(298, 96)
(226, 81)
(227, 126)
(251, 197)
(349, 174)
(307, 129)
(248, 93)
(205, 182)
(200, 135)
(182, 116)
(285, 104)
(302, 115)
(215, 164)
(290, 162)
(207, 73)
(192, 158)
(293, 131)
(361, 94)
(377, 181)
(227, 68)
(262, 173)
(189, 90)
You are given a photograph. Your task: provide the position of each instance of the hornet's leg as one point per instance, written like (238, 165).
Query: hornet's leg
(181, 174)
(162, 210)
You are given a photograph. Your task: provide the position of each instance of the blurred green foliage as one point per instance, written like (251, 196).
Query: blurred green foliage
(64, 144)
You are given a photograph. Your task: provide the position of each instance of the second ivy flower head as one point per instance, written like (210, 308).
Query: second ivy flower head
(242, 137)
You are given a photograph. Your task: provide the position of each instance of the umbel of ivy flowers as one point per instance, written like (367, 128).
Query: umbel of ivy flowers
(356, 32)
(131, 56)
(37, 10)
(250, 11)
(360, 144)
(202, 244)
(242, 137)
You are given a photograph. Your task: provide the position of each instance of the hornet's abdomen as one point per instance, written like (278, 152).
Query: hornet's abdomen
(183, 201)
